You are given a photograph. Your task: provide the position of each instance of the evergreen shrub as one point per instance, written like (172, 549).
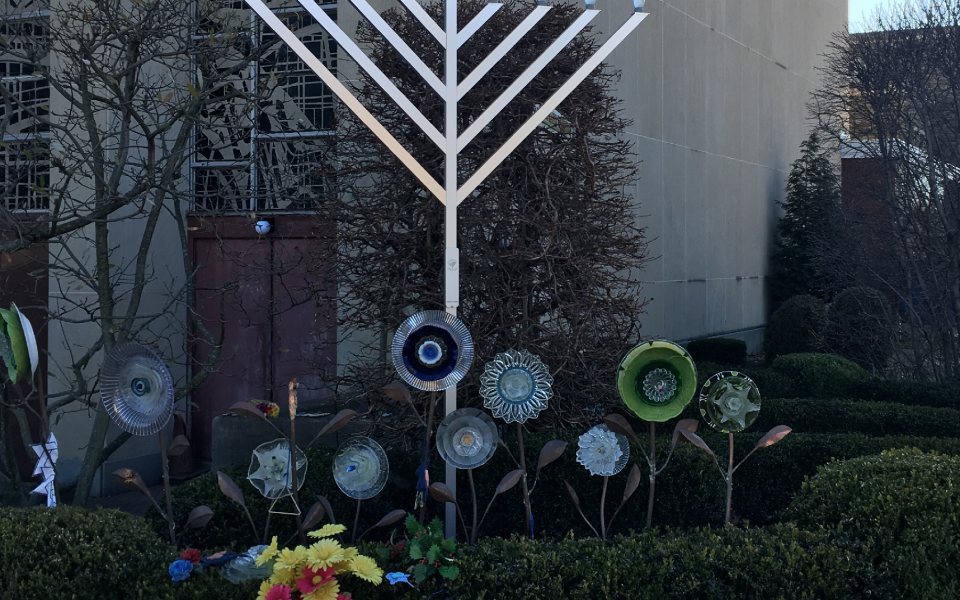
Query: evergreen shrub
(795, 327)
(858, 327)
(901, 508)
(810, 375)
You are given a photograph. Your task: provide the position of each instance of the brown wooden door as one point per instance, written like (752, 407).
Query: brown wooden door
(273, 300)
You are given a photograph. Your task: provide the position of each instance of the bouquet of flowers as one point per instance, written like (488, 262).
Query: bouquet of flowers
(314, 573)
(268, 408)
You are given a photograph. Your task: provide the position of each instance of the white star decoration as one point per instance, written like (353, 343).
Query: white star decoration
(46, 458)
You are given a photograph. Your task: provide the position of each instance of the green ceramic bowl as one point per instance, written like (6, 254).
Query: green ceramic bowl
(656, 380)
(18, 363)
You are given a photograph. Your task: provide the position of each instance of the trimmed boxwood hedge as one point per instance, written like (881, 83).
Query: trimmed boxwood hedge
(902, 508)
(778, 562)
(75, 554)
(689, 492)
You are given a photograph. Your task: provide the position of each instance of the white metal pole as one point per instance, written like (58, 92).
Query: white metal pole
(451, 266)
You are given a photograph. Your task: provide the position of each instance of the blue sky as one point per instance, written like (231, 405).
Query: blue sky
(859, 8)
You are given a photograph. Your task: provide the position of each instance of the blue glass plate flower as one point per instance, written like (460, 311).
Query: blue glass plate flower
(516, 385)
(432, 350)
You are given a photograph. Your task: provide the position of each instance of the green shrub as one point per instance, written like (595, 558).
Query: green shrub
(902, 508)
(819, 376)
(725, 351)
(857, 416)
(858, 327)
(916, 393)
(795, 327)
(72, 553)
(779, 562)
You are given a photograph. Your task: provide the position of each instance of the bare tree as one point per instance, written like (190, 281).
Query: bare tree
(893, 96)
(551, 244)
(102, 162)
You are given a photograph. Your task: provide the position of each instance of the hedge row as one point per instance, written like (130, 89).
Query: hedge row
(818, 376)
(689, 493)
(75, 554)
(776, 563)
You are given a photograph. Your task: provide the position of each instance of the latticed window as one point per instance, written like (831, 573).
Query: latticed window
(24, 107)
(269, 154)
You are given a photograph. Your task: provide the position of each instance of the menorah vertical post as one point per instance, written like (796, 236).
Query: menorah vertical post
(451, 266)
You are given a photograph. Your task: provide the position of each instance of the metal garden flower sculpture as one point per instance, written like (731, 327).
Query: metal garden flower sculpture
(604, 452)
(269, 470)
(730, 402)
(516, 386)
(656, 380)
(432, 350)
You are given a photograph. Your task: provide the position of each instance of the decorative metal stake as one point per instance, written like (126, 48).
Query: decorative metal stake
(449, 194)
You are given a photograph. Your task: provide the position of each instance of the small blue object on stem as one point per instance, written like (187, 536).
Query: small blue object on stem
(180, 570)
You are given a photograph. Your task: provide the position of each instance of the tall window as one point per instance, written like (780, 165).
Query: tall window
(269, 154)
(24, 107)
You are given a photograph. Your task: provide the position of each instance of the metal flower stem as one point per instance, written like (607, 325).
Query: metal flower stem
(729, 479)
(603, 505)
(426, 452)
(356, 520)
(652, 461)
(292, 397)
(166, 489)
(473, 496)
(523, 479)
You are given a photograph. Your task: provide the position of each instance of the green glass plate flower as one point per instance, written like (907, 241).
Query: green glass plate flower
(656, 380)
(729, 401)
(18, 344)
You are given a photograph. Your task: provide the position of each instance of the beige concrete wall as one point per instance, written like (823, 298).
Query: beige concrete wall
(717, 91)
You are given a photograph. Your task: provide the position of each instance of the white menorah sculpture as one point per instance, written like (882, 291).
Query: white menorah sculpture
(450, 91)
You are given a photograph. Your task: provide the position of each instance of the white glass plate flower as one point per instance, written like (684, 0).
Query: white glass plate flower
(602, 451)
(360, 468)
(516, 386)
(136, 389)
(269, 470)
(467, 438)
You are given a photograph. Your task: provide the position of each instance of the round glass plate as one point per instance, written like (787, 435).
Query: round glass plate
(269, 470)
(656, 380)
(432, 350)
(516, 386)
(360, 468)
(729, 401)
(136, 389)
(603, 452)
(467, 438)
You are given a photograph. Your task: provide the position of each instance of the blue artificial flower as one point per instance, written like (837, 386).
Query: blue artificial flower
(395, 578)
(180, 570)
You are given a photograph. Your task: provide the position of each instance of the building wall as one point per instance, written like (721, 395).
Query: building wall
(716, 90)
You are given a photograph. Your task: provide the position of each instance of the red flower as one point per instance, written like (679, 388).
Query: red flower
(191, 554)
(312, 579)
(279, 592)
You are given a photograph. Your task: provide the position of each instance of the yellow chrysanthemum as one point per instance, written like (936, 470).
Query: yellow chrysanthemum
(283, 577)
(292, 559)
(268, 553)
(324, 553)
(265, 587)
(366, 569)
(328, 530)
(345, 565)
(327, 591)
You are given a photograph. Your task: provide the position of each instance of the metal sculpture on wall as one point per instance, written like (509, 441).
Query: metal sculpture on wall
(730, 402)
(136, 389)
(450, 89)
(432, 350)
(18, 344)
